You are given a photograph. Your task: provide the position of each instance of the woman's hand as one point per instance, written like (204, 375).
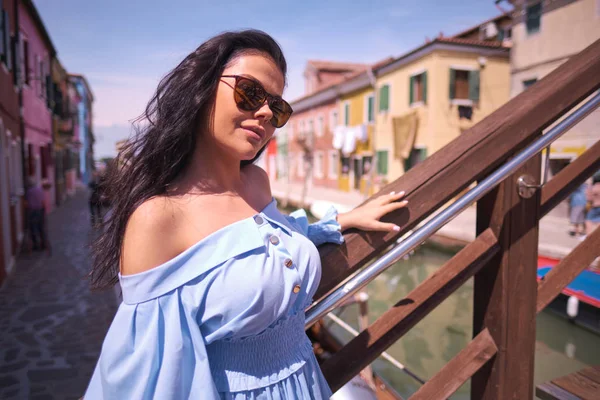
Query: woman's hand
(367, 217)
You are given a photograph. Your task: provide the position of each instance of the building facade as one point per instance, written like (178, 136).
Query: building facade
(83, 126)
(429, 96)
(66, 147)
(545, 34)
(11, 165)
(36, 53)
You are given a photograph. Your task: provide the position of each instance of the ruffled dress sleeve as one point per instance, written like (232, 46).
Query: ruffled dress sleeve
(156, 351)
(326, 230)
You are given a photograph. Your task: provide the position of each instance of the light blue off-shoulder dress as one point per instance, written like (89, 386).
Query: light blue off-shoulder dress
(222, 320)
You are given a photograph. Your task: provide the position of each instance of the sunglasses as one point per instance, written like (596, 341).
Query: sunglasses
(249, 95)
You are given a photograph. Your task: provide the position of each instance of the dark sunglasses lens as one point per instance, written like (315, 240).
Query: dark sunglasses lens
(281, 112)
(248, 94)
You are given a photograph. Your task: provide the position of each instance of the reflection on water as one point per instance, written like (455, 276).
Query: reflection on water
(561, 347)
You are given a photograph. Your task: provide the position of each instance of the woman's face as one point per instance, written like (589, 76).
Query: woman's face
(238, 133)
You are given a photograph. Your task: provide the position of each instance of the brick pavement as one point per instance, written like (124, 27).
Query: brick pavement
(52, 324)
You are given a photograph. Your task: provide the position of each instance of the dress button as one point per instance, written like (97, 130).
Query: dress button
(274, 240)
(258, 219)
(288, 263)
(297, 288)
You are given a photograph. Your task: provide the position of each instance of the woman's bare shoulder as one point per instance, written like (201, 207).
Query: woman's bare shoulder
(150, 236)
(258, 179)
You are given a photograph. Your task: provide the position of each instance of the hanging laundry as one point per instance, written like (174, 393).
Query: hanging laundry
(338, 137)
(349, 141)
(405, 133)
(361, 133)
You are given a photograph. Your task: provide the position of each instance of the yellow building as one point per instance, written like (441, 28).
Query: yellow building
(428, 96)
(356, 110)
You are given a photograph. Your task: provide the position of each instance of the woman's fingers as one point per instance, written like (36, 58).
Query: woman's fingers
(385, 227)
(388, 208)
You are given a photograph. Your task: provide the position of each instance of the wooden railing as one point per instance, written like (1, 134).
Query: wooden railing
(502, 258)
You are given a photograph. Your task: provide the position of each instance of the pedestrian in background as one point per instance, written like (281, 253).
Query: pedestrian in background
(577, 205)
(95, 200)
(35, 214)
(592, 219)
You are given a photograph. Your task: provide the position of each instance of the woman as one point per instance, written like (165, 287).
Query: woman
(215, 280)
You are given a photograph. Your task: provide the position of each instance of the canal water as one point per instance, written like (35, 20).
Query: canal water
(561, 347)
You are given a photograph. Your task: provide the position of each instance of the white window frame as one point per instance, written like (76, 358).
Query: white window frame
(380, 112)
(462, 102)
(333, 165)
(319, 161)
(333, 119)
(311, 126)
(320, 125)
(370, 95)
(300, 165)
(416, 72)
(346, 103)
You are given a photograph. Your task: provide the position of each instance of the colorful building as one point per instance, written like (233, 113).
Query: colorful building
(544, 35)
(309, 133)
(430, 95)
(37, 52)
(11, 171)
(66, 145)
(83, 126)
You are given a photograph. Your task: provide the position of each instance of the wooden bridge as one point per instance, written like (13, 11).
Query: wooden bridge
(503, 257)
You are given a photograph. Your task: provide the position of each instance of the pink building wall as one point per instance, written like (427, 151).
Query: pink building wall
(322, 143)
(37, 116)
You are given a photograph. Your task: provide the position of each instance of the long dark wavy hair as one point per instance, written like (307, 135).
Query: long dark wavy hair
(165, 138)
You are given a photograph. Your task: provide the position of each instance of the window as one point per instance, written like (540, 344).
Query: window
(533, 18)
(384, 98)
(528, 83)
(464, 85)
(382, 162)
(345, 165)
(370, 108)
(333, 164)
(504, 34)
(367, 162)
(333, 119)
(5, 42)
(311, 126)
(320, 126)
(319, 164)
(300, 165)
(418, 89)
(291, 130)
(346, 114)
(41, 78)
(417, 155)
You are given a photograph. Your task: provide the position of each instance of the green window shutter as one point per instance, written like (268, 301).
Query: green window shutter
(411, 96)
(370, 110)
(452, 83)
(16, 62)
(384, 98)
(6, 53)
(382, 162)
(346, 114)
(533, 17)
(424, 85)
(474, 86)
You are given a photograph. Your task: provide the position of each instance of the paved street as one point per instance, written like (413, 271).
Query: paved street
(52, 324)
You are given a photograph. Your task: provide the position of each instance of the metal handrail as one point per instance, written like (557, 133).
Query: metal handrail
(362, 278)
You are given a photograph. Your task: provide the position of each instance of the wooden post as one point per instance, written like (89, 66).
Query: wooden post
(505, 289)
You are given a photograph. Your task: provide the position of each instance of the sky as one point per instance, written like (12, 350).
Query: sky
(124, 47)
